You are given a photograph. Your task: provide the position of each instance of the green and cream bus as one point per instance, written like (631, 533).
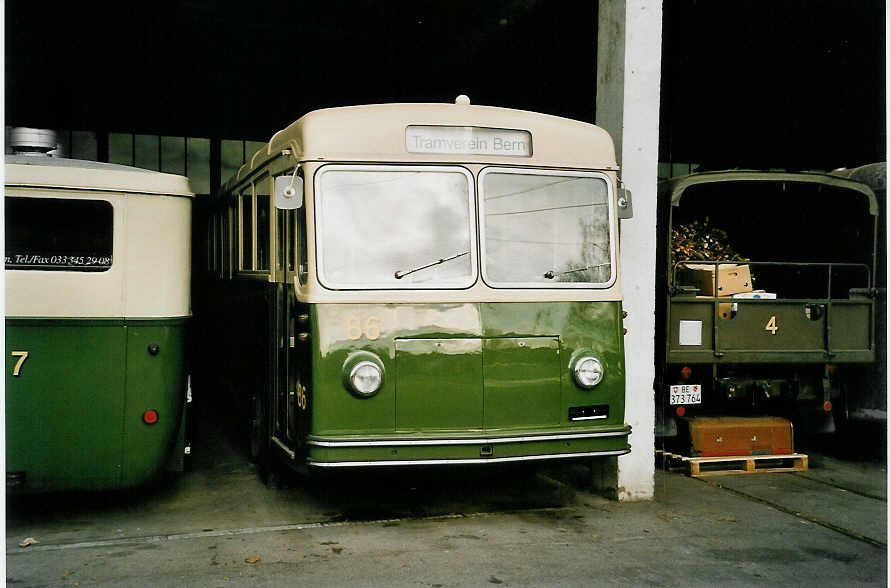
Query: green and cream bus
(97, 304)
(417, 284)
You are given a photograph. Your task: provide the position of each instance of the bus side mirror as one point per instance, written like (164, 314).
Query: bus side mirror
(625, 203)
(288, 192)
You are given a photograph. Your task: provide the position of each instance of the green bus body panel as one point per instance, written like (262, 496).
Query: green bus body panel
(64, 411)
(153, 382)
(480, 369)
(522, 382)
(438, 384)
(74, 412)
(593, 326)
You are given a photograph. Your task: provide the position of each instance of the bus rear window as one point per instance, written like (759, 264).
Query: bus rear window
(55, 234)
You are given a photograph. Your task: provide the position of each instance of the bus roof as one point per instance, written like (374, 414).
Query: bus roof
(54, 172)
(675, 187)
(377, 133)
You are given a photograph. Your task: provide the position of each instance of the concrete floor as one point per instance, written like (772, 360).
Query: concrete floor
(468, 527)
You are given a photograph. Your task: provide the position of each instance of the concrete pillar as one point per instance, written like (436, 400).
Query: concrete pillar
(627, 105)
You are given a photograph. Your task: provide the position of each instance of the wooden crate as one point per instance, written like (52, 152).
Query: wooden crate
(700, 467)
(724, 436)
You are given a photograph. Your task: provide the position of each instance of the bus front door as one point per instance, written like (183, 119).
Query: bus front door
(286, 393)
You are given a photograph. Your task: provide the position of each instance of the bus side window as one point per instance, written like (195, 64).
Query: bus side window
(281, 239)
(288, 235)
(232, 216)
(218, 245)
(263, 232)
(291, 239)
(246, 226)
(302, 255)
(211, 245)
(211, 242)
(224, 242)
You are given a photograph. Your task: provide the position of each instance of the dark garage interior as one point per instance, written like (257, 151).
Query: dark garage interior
(744, 84)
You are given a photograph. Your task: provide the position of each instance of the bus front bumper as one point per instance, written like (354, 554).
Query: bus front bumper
(442, 449)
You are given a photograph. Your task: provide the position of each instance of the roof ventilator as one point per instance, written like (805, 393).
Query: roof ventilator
(36, 142)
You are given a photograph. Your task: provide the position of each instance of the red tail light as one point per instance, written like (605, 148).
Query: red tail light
(150, 416)
(686, 372)
(681, 410)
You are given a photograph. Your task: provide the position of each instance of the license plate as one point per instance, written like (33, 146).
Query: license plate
(686, 394)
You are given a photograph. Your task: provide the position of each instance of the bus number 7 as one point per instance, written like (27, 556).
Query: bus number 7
(22, 355)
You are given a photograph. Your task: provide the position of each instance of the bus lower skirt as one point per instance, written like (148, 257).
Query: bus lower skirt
(481, 460)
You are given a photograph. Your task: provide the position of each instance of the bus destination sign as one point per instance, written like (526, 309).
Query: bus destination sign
(468, 141)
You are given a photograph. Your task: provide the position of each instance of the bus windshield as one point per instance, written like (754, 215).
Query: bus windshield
(395, 227)
(545, 229)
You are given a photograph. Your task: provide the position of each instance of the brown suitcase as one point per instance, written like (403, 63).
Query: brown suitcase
(722, 436)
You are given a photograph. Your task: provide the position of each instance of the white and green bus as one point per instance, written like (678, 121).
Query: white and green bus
(416, 284)
(97, 307)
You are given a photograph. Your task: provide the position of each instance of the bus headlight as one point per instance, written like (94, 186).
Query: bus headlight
(365, 378)
(588, 371)
(363, 374)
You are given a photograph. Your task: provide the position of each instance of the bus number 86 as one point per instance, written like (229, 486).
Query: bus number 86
(354, 330)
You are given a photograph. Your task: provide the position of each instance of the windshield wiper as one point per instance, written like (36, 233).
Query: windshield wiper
(552, 274)
(399, 274)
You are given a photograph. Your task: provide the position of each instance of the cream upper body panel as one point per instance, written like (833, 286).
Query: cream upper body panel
(377, 133)
(151, 245)
(50, 172)
(158, 257)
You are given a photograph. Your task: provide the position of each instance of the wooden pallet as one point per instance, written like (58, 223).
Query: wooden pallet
(700, 467)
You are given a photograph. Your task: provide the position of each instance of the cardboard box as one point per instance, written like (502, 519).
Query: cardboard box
(732, 278)
(725, 310)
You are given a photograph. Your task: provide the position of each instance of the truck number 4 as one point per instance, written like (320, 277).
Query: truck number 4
(22, 355)
(771, 325)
